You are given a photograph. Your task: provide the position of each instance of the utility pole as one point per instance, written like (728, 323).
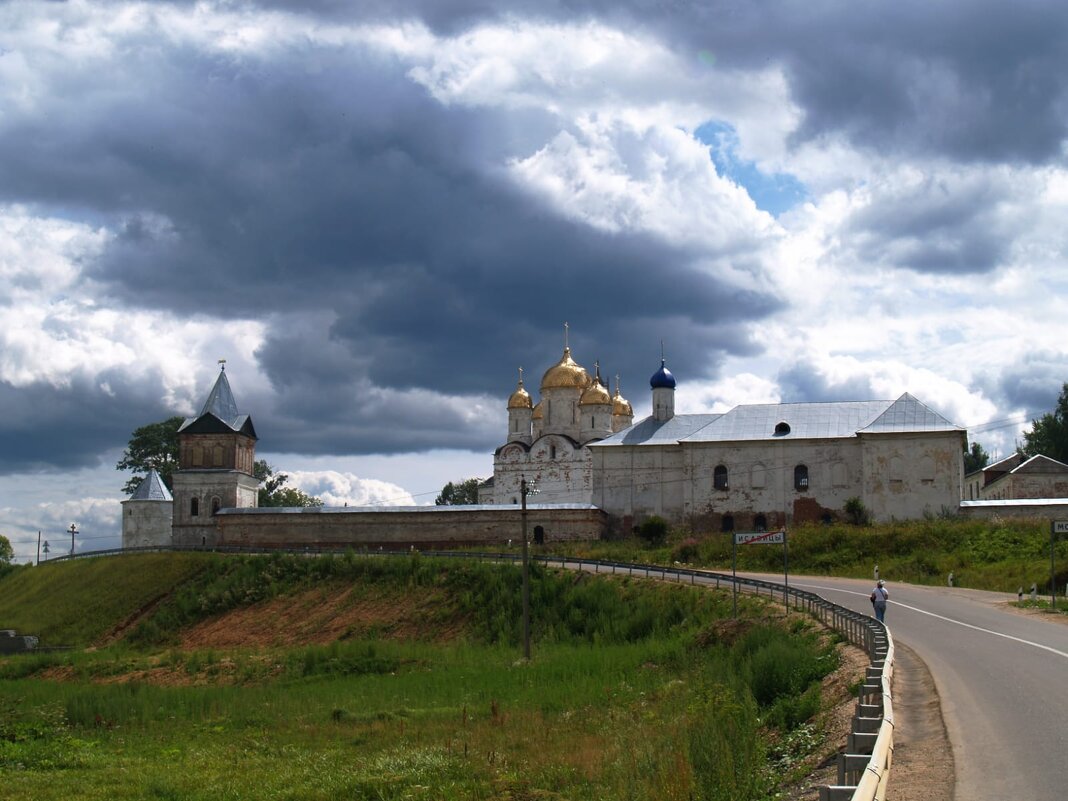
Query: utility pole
(526, 572)
(38, 546)
(73, 531)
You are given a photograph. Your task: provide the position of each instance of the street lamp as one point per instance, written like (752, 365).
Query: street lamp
(526, 489)
(73, 531)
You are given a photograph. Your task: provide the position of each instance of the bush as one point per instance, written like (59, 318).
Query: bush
(685, 551)
(653, 531)
(857, 512)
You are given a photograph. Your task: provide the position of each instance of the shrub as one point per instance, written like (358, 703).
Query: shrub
(857, 512)
(653, 531)
(685, 551)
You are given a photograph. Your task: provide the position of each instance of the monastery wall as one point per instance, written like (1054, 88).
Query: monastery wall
(430, 527)
(146, 524)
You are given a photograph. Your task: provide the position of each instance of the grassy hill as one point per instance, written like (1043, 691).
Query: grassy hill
(77, 602)
(315, 678)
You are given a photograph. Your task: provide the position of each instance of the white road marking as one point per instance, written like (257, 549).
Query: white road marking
(943, 617)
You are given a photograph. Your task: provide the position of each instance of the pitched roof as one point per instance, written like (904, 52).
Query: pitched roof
(221, 405)
(651, 431)
(764, 421)
(151, 488)
(1041, 464)
(908, 414)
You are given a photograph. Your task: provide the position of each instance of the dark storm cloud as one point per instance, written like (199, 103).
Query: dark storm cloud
(936, 226)
(971, 81)
(45, 427)
(324, 193)
(803, 383)
(1033, 384)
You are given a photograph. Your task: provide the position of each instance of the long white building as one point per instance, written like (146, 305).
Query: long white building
(754, 467)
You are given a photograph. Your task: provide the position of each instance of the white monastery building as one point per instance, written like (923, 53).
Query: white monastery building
(753, 467)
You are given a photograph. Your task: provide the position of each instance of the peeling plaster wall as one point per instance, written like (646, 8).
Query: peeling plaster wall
(677, 481)
(909, 475)
(561, 472)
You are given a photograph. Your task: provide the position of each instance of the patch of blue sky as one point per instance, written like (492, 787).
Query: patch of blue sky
(774, 193)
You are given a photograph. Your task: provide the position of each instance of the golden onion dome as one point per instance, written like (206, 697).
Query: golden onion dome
(538, 413)
(520, 399)
(620, 405)
(596, 394)
(565, 374)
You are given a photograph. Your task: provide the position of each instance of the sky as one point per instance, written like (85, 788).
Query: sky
(376, 212)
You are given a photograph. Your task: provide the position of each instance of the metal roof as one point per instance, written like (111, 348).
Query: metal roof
(151, 488)
(221, 404)
(909, 414)
(651, 431)
(755, 422)
(805, 421)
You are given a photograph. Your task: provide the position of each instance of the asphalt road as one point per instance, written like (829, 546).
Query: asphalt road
(1002, 678)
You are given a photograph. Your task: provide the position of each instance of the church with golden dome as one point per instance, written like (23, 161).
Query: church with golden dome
(753, 467)
(548, 441)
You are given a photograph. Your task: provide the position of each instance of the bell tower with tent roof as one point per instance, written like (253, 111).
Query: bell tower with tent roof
(216, 453)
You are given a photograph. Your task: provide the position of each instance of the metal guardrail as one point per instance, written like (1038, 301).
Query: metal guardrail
(864, 768)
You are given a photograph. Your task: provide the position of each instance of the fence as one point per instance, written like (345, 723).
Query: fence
(864, 768)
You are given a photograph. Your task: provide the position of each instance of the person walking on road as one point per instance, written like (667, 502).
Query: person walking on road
(879, 597)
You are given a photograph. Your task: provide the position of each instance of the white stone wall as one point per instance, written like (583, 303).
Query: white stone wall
(907, 476)
(146, 523)
(677, 481)
(560, 471)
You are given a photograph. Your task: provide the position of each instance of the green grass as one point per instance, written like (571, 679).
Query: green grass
(992, 555)
(76, 602)
(637, 690)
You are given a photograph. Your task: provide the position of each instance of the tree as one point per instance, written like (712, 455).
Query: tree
(975, 459)
(462, 493)
(274, 491)
(154, 446)
(1049, 433)
(7, 553)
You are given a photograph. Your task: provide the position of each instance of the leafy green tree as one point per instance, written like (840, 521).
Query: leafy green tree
(462, 493)
(975, 458)
(274, 491)
(152, 446)
(7, 553)
(1049, 433)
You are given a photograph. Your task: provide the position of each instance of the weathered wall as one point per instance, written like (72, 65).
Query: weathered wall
(227, 489)
(900, 476)
(560, 471)
(1045, 509)
(146, 523)
(1028, 485)
(401, 527)
(909, 475)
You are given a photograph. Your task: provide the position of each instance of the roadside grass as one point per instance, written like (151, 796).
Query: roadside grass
(647, 691)
(1043, 605)
(76, 602)
(982, 554)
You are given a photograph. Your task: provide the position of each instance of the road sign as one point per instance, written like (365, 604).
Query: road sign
(759, 538)
(1060, 526)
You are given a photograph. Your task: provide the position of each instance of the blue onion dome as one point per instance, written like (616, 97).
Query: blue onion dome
(662, 378)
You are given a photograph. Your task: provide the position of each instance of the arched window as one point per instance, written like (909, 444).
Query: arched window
(782, 429)
(801, 478)
(539, 535)
(194, 507)
(552, 452)
(760, 523)
(719, 477)
(727, 524)
(215, 505)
